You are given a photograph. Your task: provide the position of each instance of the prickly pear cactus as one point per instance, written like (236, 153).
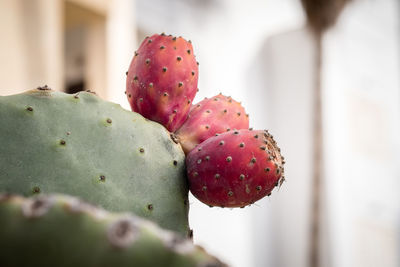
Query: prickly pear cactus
(59, 230)
(52, 142)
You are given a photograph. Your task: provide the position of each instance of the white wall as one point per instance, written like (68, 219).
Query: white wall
(361, 125)
(362, 129)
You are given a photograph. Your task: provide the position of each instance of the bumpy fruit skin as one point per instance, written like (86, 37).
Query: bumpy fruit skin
(235, 169)
(81, 145)
(211, 116)
(59, 230)
(162, 80)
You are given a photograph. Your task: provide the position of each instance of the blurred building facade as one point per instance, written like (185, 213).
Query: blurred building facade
(68, 44)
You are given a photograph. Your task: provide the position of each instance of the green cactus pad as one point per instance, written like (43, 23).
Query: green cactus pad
(81, 145)
(60, 230)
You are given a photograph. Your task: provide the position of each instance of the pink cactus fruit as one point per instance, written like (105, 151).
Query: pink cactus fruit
(162, 80)
(214, 115)
(235, 169)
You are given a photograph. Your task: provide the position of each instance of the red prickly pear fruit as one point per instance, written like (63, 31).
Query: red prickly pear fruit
(235, 169)
(211, 116)
(162, 80)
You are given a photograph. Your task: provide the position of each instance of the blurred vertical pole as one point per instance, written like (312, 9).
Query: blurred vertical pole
(95, 61)
(321, 14)
(42, 22)
(121, 42)
(50, 16)
(12, 52)
(317, 158)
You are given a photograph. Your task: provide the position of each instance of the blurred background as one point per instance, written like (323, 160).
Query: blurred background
(322, 76)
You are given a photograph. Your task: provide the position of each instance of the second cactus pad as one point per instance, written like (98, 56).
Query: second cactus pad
(52, 142)
(63, 231)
